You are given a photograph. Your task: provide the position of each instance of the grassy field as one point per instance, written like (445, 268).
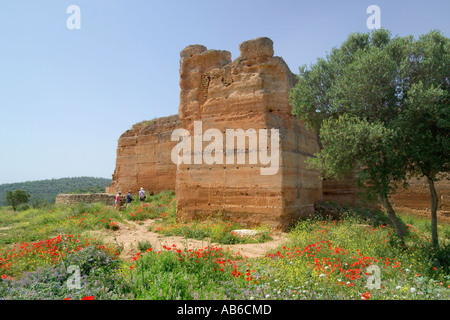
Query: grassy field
(354, 257)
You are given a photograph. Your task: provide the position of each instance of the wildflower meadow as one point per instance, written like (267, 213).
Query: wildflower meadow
(57, 253)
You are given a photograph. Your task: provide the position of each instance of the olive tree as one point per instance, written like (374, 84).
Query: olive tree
(389, 97)
(17, 197)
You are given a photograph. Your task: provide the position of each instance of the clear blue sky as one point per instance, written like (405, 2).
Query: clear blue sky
(67, 95)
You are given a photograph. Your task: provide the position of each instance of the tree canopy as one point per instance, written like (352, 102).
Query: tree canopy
(16, 198)
(380, 107)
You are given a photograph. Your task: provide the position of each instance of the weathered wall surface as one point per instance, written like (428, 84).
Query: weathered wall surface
(249, 93)
(144, 157)
(68, 199)
(340, 191)
(417, 197)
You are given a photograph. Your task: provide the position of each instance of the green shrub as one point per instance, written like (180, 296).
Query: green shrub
(144, 245)
(90, 259)
(98, 278)
(23, 207)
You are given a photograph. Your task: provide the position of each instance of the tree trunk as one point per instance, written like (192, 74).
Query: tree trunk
(391, 213)
(434, 206)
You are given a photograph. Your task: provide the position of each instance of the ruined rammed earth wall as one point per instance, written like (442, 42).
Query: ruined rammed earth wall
(69, 199)
(143, 157)
(417, 197)
(249, 93)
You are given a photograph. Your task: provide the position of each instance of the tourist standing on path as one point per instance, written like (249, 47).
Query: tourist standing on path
(129, 198)
(118, 200)
(142, 194)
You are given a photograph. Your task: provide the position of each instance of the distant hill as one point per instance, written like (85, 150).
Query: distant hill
(48, 189)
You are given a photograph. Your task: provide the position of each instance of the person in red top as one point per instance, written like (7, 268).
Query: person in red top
(118, 200)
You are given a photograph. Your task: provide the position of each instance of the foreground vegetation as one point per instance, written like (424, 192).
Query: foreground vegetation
(322, 258)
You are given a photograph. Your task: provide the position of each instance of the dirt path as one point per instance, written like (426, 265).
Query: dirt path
(130, 233)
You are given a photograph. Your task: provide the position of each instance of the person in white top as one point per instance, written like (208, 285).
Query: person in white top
(142, 194)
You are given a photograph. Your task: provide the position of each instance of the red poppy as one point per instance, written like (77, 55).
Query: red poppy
(88, 298)
(366, 295)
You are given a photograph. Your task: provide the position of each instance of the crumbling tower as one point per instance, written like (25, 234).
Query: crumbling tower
(250, 92)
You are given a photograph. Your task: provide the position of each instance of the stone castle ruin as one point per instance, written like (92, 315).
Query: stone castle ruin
(250, 92)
